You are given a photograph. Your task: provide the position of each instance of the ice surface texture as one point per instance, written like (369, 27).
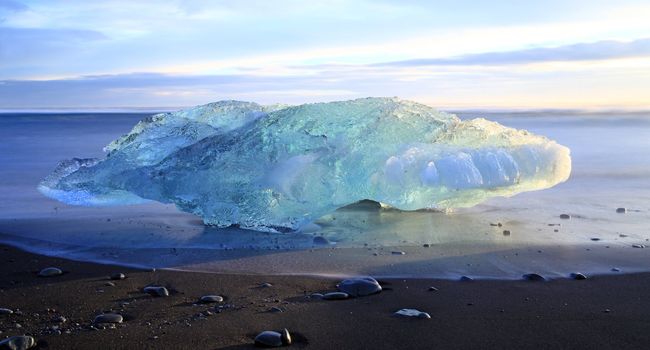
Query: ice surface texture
(271, 167)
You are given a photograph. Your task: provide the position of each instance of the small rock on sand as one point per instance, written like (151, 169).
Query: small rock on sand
(50, 272)
(286, 337)
(59, 319)
(108, 318)
(638, 246)
(273, 338)
(412, 313)
(359, 286)
(18, 342)
(565, 216)
(433, 289)
(615, 269)
(427, 245)
(578, 276)
(156, 291)
(398, 253)
(534, 277)
(621, 210)
(506, 232)
(211, 299)
(5, 311)
(118, 276)
(466, 278)
(266, 285)
(335, 296)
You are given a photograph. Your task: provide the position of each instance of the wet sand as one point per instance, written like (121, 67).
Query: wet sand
(601, 312)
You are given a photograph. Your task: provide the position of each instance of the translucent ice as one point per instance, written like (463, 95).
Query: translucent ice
(272, 167)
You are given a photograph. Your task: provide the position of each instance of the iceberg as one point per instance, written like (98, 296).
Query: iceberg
(273, 168)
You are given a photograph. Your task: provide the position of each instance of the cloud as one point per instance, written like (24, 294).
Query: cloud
(25, 45)
(11, 5)
(601, 50)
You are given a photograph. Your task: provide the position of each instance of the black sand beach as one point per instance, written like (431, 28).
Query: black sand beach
(598, 313)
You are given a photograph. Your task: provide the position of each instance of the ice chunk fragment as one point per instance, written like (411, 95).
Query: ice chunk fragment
(277, 167)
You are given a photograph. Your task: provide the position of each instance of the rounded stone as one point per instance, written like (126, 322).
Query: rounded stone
(412, 313)
(534, 277)
(118, 276)
(18, 342)
(5, 311)
(578, 276)
(360, 286)
(466, 278)
(156, 291)
(108, 318)
(621, 210)
(269, 339)
(286, 337)
(335, 296)
(506, 232)
(565, 216)
(50, 272)
(59, 319)
(211, 299)
(275, 309)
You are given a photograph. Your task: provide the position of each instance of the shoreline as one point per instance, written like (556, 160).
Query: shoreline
(600, 312)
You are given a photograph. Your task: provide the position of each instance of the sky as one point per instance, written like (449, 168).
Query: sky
(449, 54)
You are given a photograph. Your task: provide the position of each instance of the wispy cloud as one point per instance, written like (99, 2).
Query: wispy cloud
(601, 50)
(461, 52)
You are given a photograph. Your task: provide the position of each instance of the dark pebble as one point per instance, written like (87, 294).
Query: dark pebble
(359, 286)
(108, 318)
(565, 216)
(18, 342)
(578, 276)
(118, 276)
(534, 277)
(156, 291)
(50, 272)
(211, 299)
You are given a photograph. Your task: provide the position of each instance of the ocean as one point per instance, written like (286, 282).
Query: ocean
(611, 169)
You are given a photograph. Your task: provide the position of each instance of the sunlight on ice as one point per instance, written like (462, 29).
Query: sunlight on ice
(279, 167)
